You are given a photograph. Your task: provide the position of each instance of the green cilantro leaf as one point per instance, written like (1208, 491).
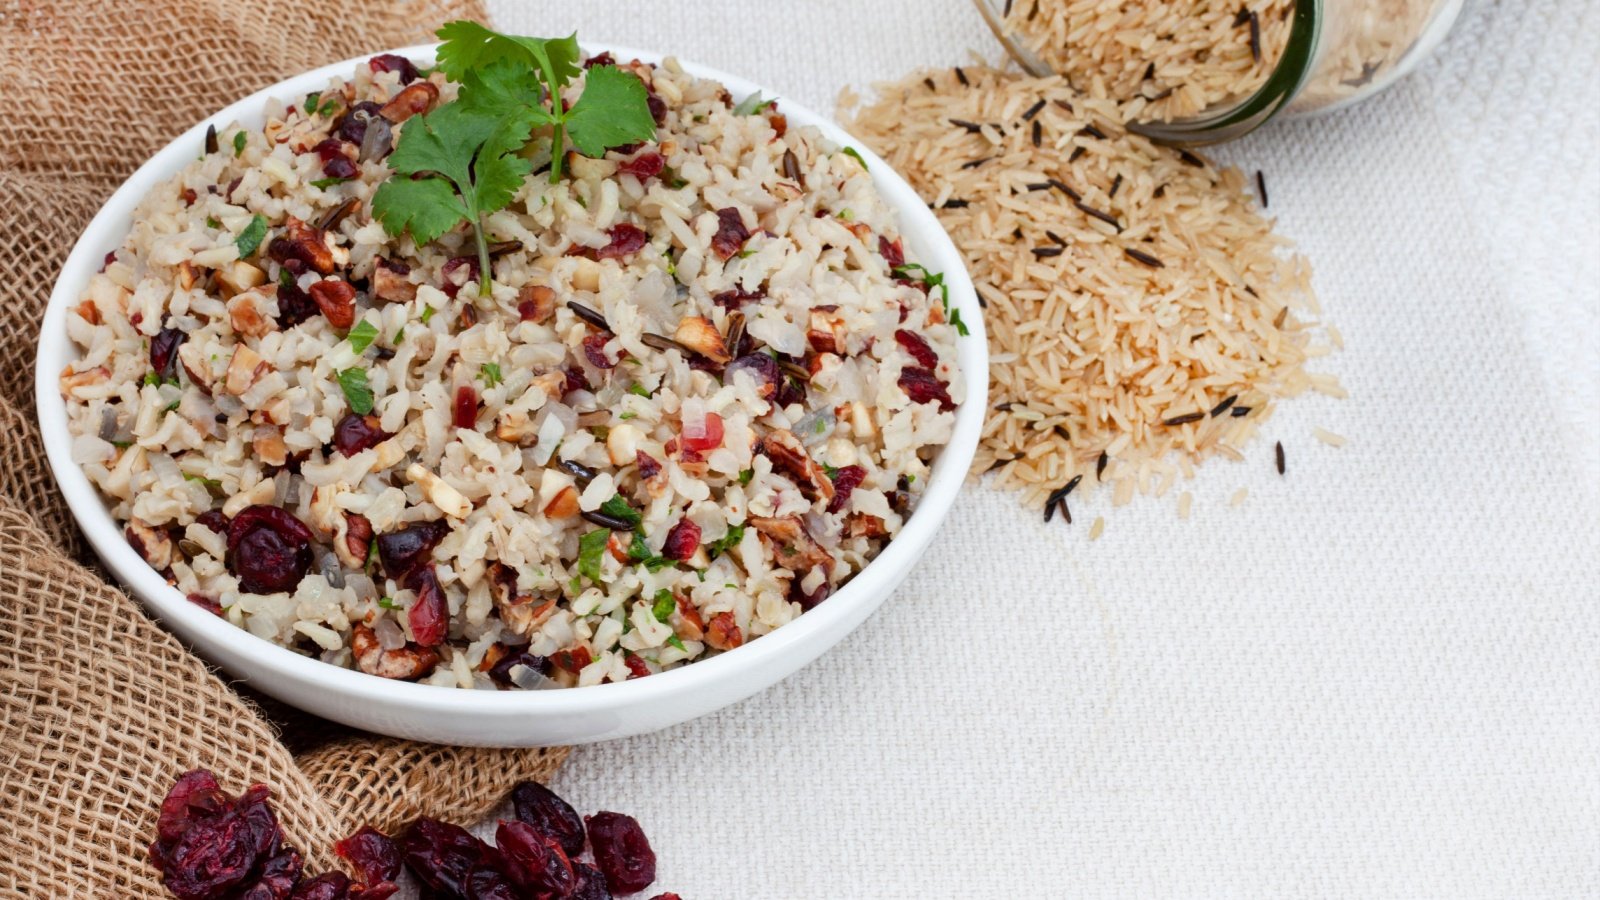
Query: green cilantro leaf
(427, 313)
(325, 183)
(400, 336)
(356, 391)
(919, 272)
(591, 548)
(639, 390)
(752, 104)
(362, 336)
(618, 507)
(388, 603)
(312, 99)
(211, 222)
(630, 414)
(746, 475)
(490, 373)
(251, 237)
(675, 641)
(727, 542)
(613, 110)
(239, 139)
(664, 605)
(851, 151)
(469, 45)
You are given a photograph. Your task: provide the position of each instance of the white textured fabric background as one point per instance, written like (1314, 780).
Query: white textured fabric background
(1379, 677)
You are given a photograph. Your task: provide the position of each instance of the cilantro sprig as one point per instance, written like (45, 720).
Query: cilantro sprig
(463, 160)
(919, 272)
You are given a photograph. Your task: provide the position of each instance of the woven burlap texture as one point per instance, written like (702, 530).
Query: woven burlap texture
(100, 709)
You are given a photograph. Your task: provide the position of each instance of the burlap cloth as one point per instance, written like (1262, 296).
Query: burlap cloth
(99, 708)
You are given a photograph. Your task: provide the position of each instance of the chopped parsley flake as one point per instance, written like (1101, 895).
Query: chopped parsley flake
(591, 548)
(723, 544)
(675, 641)
(312, 99)
(919, 272)
(746, 475)
(639, 390)
(427, 313)
(752, 105)
(362, 336)
(388, 603)
(251, 237)
(664, 605)
(325, 183)
(356, 391)
(627, 415)
(239, 138)
(851, 151)
(490, 373)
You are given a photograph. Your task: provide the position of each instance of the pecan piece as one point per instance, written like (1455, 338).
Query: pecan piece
(825, 332)
(536, 303)
(564, 505)
(247, 314)
(698, 334)
(405, 664)
(722, 632)
(153, 544)
(269, 447)
(416, 99)
(337, 300)
(864, 525)
(239, 276)
(194, 362)
(304, 245)
(789, 457)
(792, 545)
(521, 613)
(390, 284)
(244, 368)
(352, 540)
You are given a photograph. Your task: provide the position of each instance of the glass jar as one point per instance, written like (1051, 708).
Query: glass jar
(1334, 53)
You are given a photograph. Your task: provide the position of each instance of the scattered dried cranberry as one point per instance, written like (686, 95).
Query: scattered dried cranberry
(268, 549)
(648, 467)
(594, 350)
(790, 392)
(195, 793)
(110, 258)
(356, 433)
(621, 851)
(442, 855)
(501, 670)
(535, 861)
(645, 166)
(917, 346)
(329, 149)
(892, 252)
(205, 602)
(539, 806)
(454, 283)
(591, 884)
(845, 481)
(278, 877)
(658, 107)
(809, 600)
(759, 366)
(339, 167)
(214, 519)
(709, 438)
(327, 886)
(294, 305)
(221, 844)
(667, 895)
(164, 351)
(636, 666)
(487, 882)
(922, 386)
(682, 540)
(464, 414)
(731, 233)
(602, 59)
(373, 855)
(404, 550)
(573, 659)
(429, 614)
(626, 240)
(576, 380)
(393, 62)
(353, 128)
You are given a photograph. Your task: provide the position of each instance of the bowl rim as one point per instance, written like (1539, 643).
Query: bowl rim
(918, 226)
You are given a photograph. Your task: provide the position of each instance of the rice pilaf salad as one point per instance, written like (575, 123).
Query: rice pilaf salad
(554, 402)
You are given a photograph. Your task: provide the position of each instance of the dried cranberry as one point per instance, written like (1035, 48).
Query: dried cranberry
(682, 540)
(164, 351)
(442, 855)
(339, 167)
(373, 855)
(658, 107)
(383, 890)
(404, 550)
(464, 413)
(110, 258)
(731, 233)
(536, 861)
(394, 62)
(759, 366)
(790, 392)
(648, 467)
(734, 298)
(278, 878)
(711, 437)
(645, 166)
(602, 59)
(591, 884)
(205, 602)
(626, 240)
(917, 346)
(501, 670)
(809, 600)
(329, 149)
(573, 659)
(353, 128)
(327, 886)
(194, 793)
(220, 851)
(667, 895)
(294, 305)
(892, 252)
(621, 851)
(429, 614)
(268, 549)
(454, 283)
(594, 350)
(922, 386)
(576, 380)
(356, 433)
(636, 666)
(487, 882)
(540, 807)
(845, 481)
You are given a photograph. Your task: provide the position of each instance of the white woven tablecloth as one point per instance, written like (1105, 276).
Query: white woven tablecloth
(1380, 676)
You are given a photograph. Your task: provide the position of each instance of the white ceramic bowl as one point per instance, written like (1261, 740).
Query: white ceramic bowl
(504, 718)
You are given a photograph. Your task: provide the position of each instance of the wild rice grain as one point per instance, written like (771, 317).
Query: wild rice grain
(1278, 452)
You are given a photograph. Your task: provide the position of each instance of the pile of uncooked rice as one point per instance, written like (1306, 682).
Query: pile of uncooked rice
(697, 399)
(1142, 316)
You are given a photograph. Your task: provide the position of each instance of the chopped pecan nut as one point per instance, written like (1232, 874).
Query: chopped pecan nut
(536, 303)
(390, 284)
(353, 540)
(405, 663)
(792, 545)
(239, 276)
(789, 457)
(337, 300)
(247, 314)
(722, 633)
(153, 544)
(522, 613)
(416, 99)
(244, 368)
(303, 244)
(698, 334)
